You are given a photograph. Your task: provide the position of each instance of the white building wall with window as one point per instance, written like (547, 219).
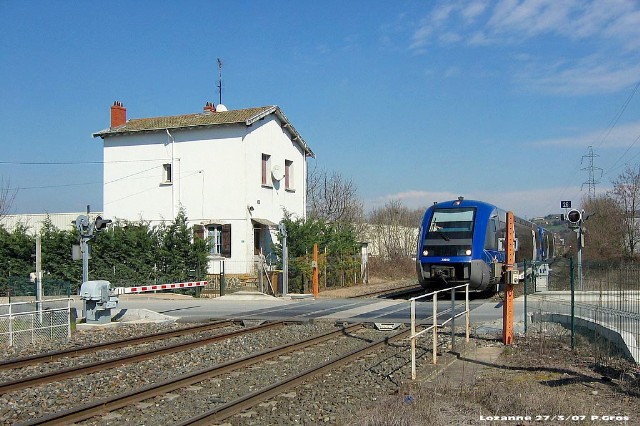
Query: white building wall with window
(213, 167)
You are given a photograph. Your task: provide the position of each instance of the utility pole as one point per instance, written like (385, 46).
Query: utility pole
(285, 259)
(39, 295)
(219, 80)
(314, 265)
(591, 182)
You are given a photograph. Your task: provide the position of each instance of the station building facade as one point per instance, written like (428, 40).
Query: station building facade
(233, 172)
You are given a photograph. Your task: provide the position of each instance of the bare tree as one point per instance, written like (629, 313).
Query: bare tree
(626, 193)
(394, 229)
(604, 229)
(332, 197)
(7, 197)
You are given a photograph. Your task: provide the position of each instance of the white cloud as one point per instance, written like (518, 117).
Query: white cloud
(601, 38)
(591, 75)
(620, 136)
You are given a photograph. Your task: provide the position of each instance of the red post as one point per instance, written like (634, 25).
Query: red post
(510, 260)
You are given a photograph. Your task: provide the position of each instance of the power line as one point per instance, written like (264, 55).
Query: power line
(614, 120)
(19, 188)
(67, 163)
(83, 183)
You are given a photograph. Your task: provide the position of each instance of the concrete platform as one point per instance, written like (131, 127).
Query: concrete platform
(130, 316)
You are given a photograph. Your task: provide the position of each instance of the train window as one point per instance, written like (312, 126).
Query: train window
(491, 239)
(450, 224)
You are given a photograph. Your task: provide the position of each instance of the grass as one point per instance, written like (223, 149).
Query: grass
(537, 376)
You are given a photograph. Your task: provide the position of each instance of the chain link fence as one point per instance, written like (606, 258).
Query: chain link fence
(599, 302)
(20, 288)
(23, 323)
(334, 270)
(264, 275)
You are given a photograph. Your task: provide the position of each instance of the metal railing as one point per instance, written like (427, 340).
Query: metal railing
(607, 308)
(434, 326)
(23, 322)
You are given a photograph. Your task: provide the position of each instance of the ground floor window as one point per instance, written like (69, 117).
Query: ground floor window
(219, 238)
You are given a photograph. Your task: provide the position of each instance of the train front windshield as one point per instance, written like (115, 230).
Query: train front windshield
(450, 232)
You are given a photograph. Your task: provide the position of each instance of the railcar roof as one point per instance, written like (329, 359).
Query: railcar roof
(463, 203)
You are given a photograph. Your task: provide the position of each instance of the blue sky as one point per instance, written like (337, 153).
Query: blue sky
(419, 101)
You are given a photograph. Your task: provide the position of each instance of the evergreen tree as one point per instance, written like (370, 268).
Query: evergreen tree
(16, 253)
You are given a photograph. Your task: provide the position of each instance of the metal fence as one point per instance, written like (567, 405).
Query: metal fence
(30, 322)
(449, 315)
(232, 276)
(14, 287)
(265, 275)
(598, 302)
(334, 270)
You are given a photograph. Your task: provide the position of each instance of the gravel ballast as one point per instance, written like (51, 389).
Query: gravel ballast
(328, 398)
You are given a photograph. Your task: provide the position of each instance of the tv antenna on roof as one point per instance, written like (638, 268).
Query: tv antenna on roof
(220, 79)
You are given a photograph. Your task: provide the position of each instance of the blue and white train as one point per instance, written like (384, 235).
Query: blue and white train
(462, 241)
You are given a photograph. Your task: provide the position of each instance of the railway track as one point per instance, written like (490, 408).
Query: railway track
(393, 292)
(100, 406)
(116, 344)
(126, 359)
(234, 407)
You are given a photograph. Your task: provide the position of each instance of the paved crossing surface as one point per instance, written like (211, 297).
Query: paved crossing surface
(261, 307)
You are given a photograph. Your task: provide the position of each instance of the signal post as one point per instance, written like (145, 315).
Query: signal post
(509, 276)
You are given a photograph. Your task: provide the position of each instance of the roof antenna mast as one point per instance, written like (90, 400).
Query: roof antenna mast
(220, 79)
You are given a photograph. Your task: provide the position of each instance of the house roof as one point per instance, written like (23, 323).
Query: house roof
(205, 119)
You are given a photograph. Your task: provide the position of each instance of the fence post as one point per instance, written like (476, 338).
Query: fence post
(69, 318)
(525, 294)
(453, 319)
(434, 345)
(10, 326)
(466, 308)
(413, 340)
(222, 279)
(573, 307)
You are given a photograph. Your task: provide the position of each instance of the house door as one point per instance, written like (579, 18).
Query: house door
(257, 239)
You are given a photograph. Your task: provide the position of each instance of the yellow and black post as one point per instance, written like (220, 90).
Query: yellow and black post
(508, 279)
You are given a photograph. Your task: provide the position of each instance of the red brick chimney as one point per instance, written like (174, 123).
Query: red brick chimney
(118, 114)
(209, 107)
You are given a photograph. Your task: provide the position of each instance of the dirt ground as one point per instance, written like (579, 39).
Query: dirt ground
(536, 380)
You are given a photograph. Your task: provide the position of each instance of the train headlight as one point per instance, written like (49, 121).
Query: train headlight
(468, 252)
(425, 252)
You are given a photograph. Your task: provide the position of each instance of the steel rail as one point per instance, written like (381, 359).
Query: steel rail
(391, 291)
(51, 356)
(123, 360)
(234, 407)
(91, 409)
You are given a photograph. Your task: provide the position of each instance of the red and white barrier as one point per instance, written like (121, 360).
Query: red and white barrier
(146, 288)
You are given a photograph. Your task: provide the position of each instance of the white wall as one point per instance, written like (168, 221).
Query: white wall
(217, 174)
(62, 221)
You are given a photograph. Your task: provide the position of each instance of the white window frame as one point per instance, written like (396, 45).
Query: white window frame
(214, 237)
(167, 174)
(288, 175)
(266, 170)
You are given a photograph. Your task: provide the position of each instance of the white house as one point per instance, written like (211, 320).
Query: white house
(233, 171)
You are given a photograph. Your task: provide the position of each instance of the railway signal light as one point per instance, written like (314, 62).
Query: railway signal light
(82, 224)
(574, 217)
(101, 223)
